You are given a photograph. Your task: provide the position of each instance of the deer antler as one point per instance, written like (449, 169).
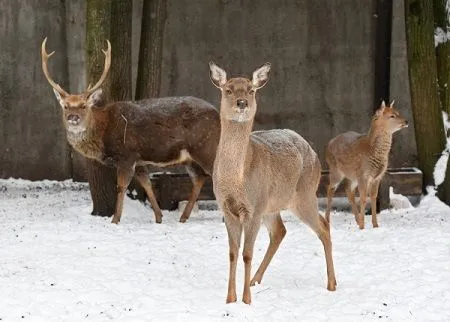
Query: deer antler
(45, 57)
(107, 53)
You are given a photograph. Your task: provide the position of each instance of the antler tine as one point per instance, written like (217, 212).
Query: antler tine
(107, 53)
(45, 57)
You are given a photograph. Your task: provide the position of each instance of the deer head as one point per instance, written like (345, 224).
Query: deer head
(388, 118)
(77, 107)
(238, 101)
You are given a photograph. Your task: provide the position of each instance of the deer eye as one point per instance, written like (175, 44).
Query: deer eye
(228, 91)
(251, 92)
(393, 116)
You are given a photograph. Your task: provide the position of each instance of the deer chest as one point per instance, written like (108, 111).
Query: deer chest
(91, 149)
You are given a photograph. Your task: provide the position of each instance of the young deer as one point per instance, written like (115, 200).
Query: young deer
(131, 135)
(362, 160)
(257, 174)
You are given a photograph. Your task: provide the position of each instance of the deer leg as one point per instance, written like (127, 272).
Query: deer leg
(277, 231)
(373, 202)
(250, 232)
(362, 189)
(124, 175)
(350, 190)
(234, 229)
(308, 212)
(141, 176)
(198, 180)
(335, 179)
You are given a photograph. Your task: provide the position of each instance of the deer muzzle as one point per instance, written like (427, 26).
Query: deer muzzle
(241, 104)
(73, 119)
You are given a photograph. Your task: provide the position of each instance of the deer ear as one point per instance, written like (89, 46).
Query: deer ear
(392, 103)
(380, 111)
(261, 76)
(95, 99)
(59, 97)
(218, 75)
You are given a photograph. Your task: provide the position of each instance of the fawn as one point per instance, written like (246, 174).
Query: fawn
(130, 135)
(362, 160)
(257, 174)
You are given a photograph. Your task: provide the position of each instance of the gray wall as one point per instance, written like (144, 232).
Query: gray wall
(321, 81)
(32, 140)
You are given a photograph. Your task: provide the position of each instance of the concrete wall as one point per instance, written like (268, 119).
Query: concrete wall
(32, 140)
(322, 55)
(321, 81)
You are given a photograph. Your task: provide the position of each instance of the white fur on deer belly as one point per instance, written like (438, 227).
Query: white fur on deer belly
(182, 158)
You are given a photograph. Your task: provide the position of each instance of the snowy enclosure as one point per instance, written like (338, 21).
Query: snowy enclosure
(58, 263)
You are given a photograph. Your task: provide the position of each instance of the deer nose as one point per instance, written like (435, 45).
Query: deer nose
(241, 103)
(73, 119)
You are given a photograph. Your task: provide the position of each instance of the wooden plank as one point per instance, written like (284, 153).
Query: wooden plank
(171, 188)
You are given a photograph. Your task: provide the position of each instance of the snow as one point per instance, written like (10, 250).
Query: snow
(441, 164)
(441, 36)
(59, 263)
(398, 201)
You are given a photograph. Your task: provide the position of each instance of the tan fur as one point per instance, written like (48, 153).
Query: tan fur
(362, 160)
(257, 174)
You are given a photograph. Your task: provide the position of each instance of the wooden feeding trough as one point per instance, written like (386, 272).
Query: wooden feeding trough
(171, 188)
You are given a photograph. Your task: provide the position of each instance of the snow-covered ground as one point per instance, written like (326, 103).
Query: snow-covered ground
(59, 263)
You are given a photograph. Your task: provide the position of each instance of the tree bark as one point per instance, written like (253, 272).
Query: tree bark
(148, 82)
(443, 74)
(154, 16)
(427, 116)
(108, 20)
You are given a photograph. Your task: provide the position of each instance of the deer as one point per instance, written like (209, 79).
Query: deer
(258, 174)
(130, 135)
(362, 160)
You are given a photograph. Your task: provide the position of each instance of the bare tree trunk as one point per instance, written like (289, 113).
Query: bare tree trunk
(148, 82)
(443, 74)
(429, 131)
(150, 53)
(108, 20)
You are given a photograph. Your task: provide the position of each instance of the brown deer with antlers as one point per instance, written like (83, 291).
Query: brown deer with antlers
(257, 174)
(130, 135)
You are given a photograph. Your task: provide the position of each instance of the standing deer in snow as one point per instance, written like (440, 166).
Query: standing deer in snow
(257, 174)
(130, 135)
(362, 160)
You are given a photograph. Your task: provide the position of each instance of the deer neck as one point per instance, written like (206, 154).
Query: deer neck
(88, 142)
(380, 142)
(234, 150)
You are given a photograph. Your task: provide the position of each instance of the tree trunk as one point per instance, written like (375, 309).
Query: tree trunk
(382, 73)
(148, 82)
(443, 65)
(108, 20)
(427, 116)
(150, 53)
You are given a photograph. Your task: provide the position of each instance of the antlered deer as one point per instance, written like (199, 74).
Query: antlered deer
(362, 160)
(130, 135)
(257, 174)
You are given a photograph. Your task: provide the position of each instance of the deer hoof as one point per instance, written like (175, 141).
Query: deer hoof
(183, 219)
(231, 298)
(115, 221)
(331, 286)
(247, 299)
(255, 281)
